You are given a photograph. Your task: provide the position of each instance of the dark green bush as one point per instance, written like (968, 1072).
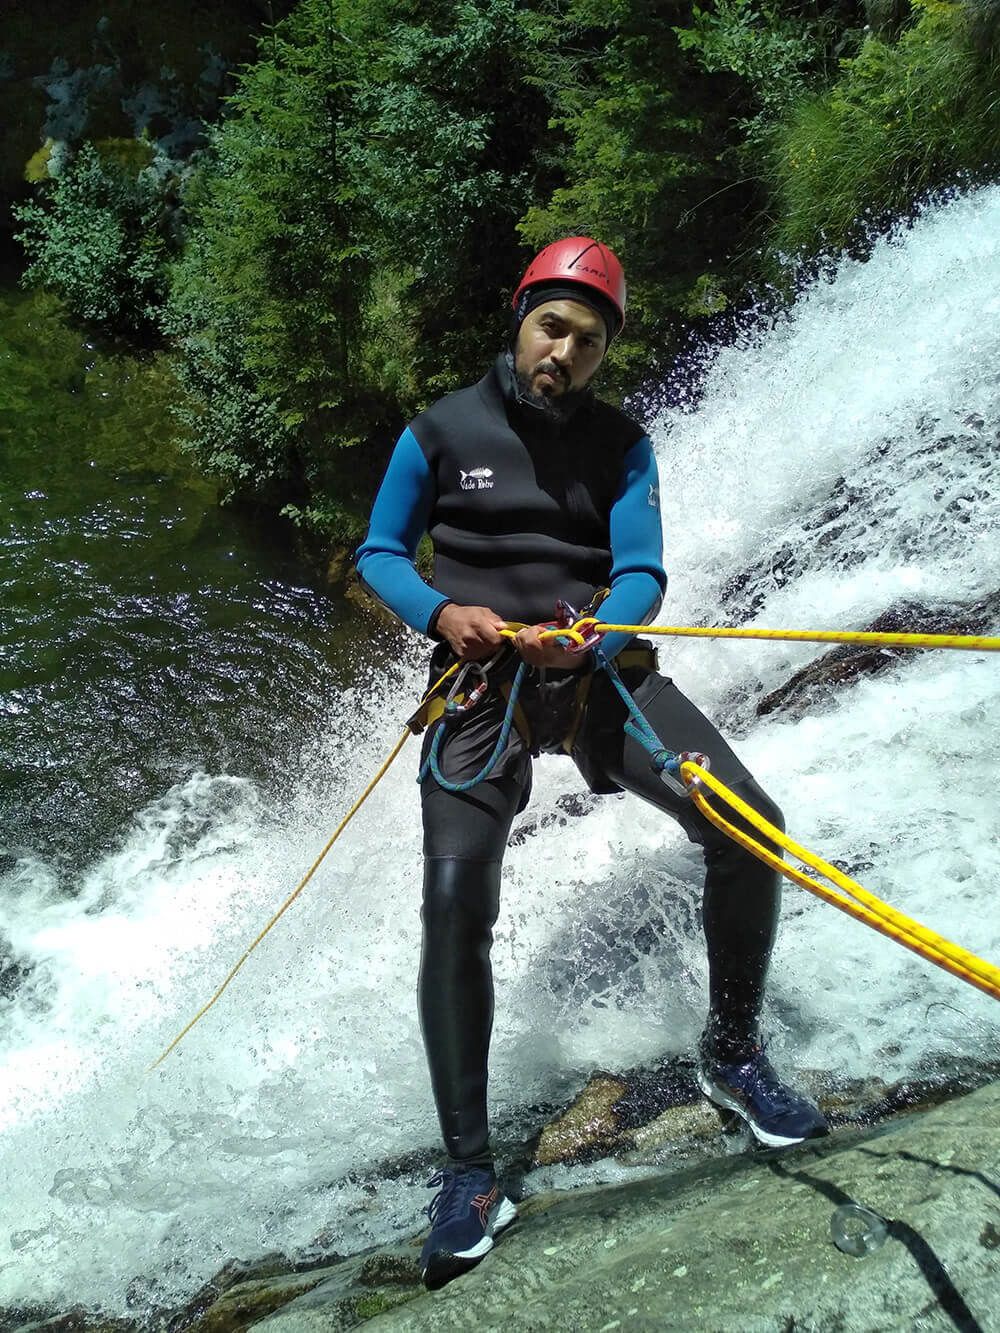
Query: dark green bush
(348, 238)
(353, 230)
(100, 236)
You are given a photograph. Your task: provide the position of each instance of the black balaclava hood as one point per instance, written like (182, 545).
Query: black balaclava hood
(532, 297)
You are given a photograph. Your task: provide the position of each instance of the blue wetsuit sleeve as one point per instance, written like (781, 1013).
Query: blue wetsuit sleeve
(638, 579)
(399, 519)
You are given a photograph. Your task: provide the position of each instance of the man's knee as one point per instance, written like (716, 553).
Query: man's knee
(461, 898)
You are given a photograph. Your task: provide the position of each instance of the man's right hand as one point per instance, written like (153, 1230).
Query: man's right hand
(472, 631)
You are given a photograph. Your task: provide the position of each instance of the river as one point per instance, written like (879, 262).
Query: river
(185, 719)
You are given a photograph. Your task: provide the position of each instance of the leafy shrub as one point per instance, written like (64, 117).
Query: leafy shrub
(348, 236)
(903, 118)
(100, 236)
(659, 110)
(773, 53)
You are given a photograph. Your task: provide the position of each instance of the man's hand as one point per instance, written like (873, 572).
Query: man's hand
(548, 653)
(472, 631)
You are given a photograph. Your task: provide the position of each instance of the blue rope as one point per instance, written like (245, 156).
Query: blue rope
(637, 727)
(432, 764)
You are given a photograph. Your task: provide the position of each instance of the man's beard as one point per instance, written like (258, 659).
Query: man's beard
(556, 408)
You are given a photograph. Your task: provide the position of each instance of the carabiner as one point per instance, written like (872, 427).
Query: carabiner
(667, 767)
(568, 618)
(694, 757)
(455, 707)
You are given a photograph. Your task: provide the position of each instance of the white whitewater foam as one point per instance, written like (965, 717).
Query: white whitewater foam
(310, 1067)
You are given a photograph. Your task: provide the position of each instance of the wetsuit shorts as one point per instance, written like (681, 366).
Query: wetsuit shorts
(475, 825)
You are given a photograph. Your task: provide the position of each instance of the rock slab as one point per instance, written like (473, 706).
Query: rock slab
(739, 1245)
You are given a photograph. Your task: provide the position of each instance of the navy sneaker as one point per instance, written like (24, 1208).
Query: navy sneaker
(466, 1213)
(777, 1116)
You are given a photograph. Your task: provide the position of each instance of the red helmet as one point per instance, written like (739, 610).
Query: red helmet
(582, 261)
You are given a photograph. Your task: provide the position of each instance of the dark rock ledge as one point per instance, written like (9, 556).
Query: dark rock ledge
(808, 687)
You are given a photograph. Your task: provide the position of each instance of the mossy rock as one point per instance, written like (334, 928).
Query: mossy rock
(130, 154)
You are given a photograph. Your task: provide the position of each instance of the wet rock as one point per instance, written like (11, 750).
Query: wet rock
(652, 1091)
(77, 1320)
(358, 1290)
(587, 1128)
(248, 1302)
(848, 661)
(239, 1288)
(387, 1269)
(674, 1132)
(859, 1101)
(746, 1243)
(571, 805)
(605, 1247)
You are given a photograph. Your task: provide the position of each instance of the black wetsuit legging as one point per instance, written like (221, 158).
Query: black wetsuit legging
(464, 840)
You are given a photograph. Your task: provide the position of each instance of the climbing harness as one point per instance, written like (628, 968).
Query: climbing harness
(686, 773)
(457, 707)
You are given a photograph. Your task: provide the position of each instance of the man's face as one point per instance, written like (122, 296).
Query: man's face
(559, 347)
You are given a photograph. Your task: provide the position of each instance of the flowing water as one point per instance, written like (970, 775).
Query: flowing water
(183, 734)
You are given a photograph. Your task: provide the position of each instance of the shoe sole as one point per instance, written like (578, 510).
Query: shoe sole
(443, 1265)
(718, 1097)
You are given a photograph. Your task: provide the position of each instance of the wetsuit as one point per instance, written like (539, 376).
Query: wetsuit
(522, 512)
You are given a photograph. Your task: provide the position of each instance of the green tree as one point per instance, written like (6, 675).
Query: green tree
(640, 137)
(265, 301)
(348, 240)
(101, 235)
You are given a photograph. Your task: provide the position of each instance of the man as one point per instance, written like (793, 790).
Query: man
(533, 491)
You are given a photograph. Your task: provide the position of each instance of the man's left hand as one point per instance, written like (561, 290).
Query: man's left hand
(548, 653)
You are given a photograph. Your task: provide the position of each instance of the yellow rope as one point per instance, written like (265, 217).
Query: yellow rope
(306, 878)
(867, 908)
(872, 911)
(966, 642)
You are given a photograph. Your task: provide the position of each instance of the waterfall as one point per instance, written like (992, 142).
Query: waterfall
(835, 464)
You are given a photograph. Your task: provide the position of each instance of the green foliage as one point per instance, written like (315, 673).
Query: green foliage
(352, 232)
(100, 236)
(773, 50)
(623, 145)
(354, 220)
(706, 297)
(265, 299)
(447, 153)
(903, 118)
(644, 120)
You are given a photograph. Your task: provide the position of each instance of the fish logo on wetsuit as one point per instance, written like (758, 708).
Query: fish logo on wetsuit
(477, 480)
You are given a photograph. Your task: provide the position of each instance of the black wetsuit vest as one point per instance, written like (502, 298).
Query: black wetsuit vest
(521, 516)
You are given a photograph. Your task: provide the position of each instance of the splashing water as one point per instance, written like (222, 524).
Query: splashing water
(837, 464)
